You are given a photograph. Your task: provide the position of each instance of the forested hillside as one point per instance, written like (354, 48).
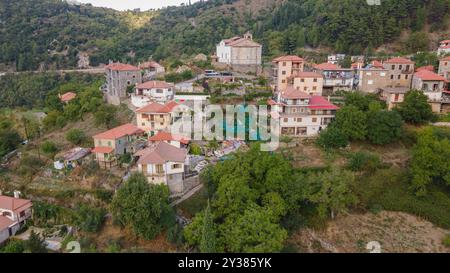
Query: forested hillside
(51, 33)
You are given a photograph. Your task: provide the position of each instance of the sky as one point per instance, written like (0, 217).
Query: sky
(133, 4)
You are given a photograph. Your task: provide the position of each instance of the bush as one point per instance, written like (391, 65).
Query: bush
(446, 241)
(49, 148)
(89, 219)
(384, 127)
(195, 149)
(13, 246)
(332, 137)
(363, 161)
(76, 136)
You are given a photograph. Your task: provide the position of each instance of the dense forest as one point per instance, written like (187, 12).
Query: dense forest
(51, 33)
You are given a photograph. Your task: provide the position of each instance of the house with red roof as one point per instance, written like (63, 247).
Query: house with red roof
(152, 91)
(432, 85)
(14, 212)
(117, 141)
(174, 140)
(67, 97)
(307, 82)
(372, 78)
(444, 47)
(335, 77)
(285, 67)
(118, 77)
(163, 163)
(151, 70)
(400, 72)
(156, 117)
(238, 51)
(300, 114)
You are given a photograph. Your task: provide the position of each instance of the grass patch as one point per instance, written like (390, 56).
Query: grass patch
(389, 189)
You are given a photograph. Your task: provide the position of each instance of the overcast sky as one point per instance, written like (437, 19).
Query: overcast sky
(133, 4)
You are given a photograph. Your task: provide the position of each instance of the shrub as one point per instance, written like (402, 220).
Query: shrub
(195, 149)
(76, 136)
(363, 161)
(332, 137)
(49, 148)
(446, 241)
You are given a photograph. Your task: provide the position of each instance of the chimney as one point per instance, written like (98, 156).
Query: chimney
(17, 194)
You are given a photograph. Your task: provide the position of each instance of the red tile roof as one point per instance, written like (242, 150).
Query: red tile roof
(288, 58)
(155, 107)
(154, 84)
(122, 67)
(161, 153)
(67, 96)
(327, 66)
(5, 223)
(119, 132)
(166, 136)
(399, 60)
(377, 64)
(102, 150)
(292, 93)
(321, 103)
(426, 75)
(428, 67)
(14, 204)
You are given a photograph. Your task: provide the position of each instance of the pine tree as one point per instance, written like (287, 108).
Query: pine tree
(208, 240)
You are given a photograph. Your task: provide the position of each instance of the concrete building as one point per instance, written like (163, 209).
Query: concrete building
(152, 91)
(307, 82)
(151, 70)
(114, 142)
(444, 68)
(300, 114)
(156, 117)
(393, 95)
(239, 51)
(432, 85)
(335, 77)
(400, 72)
(165, 164)
(118, 77)
(284, 67)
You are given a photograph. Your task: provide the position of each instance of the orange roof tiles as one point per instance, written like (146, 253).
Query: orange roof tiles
(288, 58)
(161, 153)
(428, 67)
(426, 75)
(166, 136)
(102, 150)
(118, 132)
(14, 204)
(155, 107)
(292, 93)
(327, 66)
(399, 60)
(5, 223)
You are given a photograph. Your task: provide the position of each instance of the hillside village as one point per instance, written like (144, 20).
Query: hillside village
(304, 97)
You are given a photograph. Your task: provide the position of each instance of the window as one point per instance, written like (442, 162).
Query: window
(305, 88)
(161, 116)
(109, 143)
(370, 82)
(176, 166)
(283, 81)
(283, 72)
(393, 67)
(382, 74)
(400, 67)
(407, 67)
(285, 119)
(406, 77)
(315, 79)
(299, 119)
(159, 168)
(302, 80)
(284, 63)
(392, 77)
(314, 88)
(399, 77)
(314, 120)
(159, 91)
(396, 97)
(369, 74)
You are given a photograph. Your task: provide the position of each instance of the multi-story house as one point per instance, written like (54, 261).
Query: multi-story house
(239, 51)
(307, 82)
(156, 117)
(432, 85)
(372, 78)
(444, 47)
(284, 68)
(302, 115)
(400, 72)
(335, 77)
(114, 142)
(444, 68)
(14, 212)
(118, 77)
(152, 91)
(163, 163)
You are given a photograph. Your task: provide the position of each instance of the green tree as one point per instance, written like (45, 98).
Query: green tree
(35, 243)
(49, 148)
(89, 219)
(351, 122)
(415, 108)
(141, 206)
(384, 127)
(106, 116)
(332, 137)
(208, 239)
(331, 192)
(76, 136)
